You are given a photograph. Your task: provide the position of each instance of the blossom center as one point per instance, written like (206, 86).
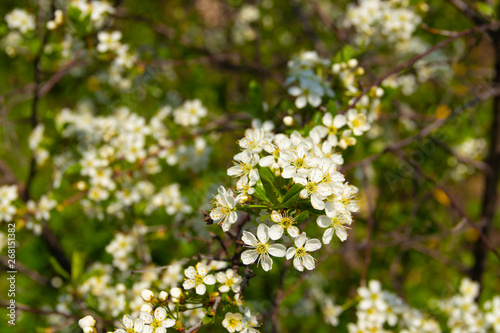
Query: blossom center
(261, 248)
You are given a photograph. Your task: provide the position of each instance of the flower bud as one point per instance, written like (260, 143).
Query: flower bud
(87, 321)
(352, 63)
(146, 308)
(147, 295)
(288, 121)
(176, 292)
(163, 296)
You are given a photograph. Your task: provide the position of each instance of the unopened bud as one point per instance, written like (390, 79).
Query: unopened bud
(352, 63)
(176, 292)
(163, 296)
(87, 321)
(147, 295)
(288, 121)
(146, 308)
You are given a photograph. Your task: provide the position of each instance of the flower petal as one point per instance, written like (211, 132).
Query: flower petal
(249, 239)
(263, 233)
(248, 257)
(277, 250)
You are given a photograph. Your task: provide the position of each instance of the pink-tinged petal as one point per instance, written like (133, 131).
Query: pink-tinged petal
(249, 239)
(201, 289)
(277, 250)
(263, 233)
(328, 235)
(190, 272)
(290, 253)
(266, 262)
(275, 232)
(249, 257)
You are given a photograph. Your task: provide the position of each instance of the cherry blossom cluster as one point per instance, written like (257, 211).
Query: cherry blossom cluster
(182, 308)
(379, 310)
(465, 315)
(382, 20)
(471, 148)
(8, 194)
(31, 214)
(121, 151)
(288, 177)
(312, 79)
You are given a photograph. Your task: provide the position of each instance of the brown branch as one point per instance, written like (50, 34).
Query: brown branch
(406, 64)
(454, 203)
(212, 310)
(339, 33)
(490, 192)
(424, 132)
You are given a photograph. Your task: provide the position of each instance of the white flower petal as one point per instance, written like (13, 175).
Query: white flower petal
(249, 239)
(201, 289)
(277, 250)
(263, 233)
(248, 257)
(275, 232)
(266, 262)
(209, 279)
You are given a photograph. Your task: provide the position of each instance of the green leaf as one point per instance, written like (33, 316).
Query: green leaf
(267, 178)
(302, 217)
(260, 193)
(77, 266)
(292, 195)
(279, 182)
(485, 8)
(332, 107)
(345, 54)
(208, 319)
(317, 118)
(256, 100)
(58, 268)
